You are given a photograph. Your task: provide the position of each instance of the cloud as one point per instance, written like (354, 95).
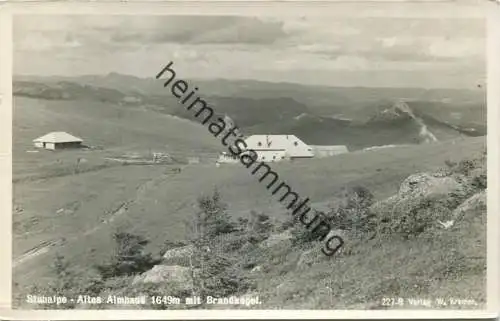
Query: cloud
(463, 49)
(201, 30)
(47, 41)
(398, 39)
(249, 47)
(96, 34)
(401, 48)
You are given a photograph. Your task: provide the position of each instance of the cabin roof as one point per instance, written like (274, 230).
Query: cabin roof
(58, 137)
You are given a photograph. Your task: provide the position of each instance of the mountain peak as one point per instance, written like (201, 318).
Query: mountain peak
(397, 111)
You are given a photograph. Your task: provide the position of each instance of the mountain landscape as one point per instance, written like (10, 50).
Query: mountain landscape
(123, 117)
(355, 117)
(119, 191)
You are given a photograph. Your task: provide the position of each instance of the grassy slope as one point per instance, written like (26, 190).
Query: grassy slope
(440, 264)
(158, 203)
(115, 128)
(361, 281)
(107, 125)
(43, 183)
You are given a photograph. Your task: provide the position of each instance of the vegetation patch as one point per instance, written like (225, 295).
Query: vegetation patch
(280, 261)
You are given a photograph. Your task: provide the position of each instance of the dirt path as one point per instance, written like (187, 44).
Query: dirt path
(46, 246)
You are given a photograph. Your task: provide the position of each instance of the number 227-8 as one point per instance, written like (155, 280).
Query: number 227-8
(392, 301)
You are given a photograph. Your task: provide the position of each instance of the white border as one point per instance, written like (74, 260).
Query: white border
(5, 158)
(371, 8)
(493, 114)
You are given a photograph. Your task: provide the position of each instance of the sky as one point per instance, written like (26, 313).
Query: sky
(404, 49)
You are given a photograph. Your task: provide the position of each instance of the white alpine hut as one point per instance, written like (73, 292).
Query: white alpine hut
(273, 148)
(58, 140)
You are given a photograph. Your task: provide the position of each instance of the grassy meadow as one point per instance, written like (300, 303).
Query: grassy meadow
(74, 212)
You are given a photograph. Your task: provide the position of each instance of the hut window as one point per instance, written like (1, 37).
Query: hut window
(296, 144)
(259, 144)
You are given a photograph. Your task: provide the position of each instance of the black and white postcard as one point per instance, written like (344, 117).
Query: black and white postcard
(218, 159)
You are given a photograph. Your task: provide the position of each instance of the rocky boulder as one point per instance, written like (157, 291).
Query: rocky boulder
(419, 187)
(423, 199)
(425, 184)
(166, 274)
(179, 252)
(275, 239)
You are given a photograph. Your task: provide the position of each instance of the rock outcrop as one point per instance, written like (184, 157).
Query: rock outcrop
(425, 184)
(166, 274)
(427, 200)
(179, 252)
(275, 239)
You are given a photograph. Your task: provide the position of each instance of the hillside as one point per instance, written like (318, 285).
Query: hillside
(154, 202)
(385, 127)
(327, 131)
(97, 196)
(109, 129)
(326, 101)
(353, 116)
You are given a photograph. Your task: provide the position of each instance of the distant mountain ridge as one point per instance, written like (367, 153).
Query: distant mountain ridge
(364, 116)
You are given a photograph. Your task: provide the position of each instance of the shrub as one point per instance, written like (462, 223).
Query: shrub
(413, 216)
(65, 281)
(215, 240)
(168, 245)
(218, 276)
(472, 171)
(303, 236)
(232, 242)
(352, 211)
(285, 225)
(410, 217)
(300, 235)
(242, 224)
(259, 227)
(260, 223)
(212, 219)
(467, 166)
(479, 182)
(129, 256)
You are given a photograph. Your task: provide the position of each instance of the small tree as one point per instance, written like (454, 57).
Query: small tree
(63, 283)
(259, 227)
(213, 272)
(352, 212)
(213, 219)
(218, 276)
(129, 256)
(67, 282)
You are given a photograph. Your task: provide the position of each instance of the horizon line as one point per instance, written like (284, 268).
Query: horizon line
(255, 80)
